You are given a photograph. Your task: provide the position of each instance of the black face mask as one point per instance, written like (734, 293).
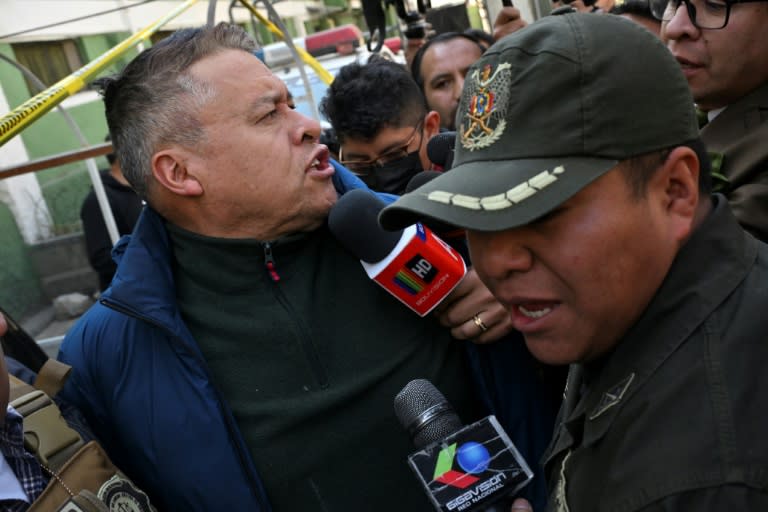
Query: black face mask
(393, 177)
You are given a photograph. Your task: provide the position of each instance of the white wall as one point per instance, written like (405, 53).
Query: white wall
(22, 193)
(18, 15)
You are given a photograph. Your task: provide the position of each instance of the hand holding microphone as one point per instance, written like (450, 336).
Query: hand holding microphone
(471, 312)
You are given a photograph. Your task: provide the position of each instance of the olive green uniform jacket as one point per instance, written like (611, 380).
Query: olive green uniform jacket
(738, 142)
(676, 417)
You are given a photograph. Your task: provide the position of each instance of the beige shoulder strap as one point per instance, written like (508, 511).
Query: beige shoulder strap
(51, 377)
(46, 433)
(18, 388)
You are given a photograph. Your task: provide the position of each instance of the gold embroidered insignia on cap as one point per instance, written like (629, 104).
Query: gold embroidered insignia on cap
(612, 396)
(511, 197)
(120, 495)
(485, 100)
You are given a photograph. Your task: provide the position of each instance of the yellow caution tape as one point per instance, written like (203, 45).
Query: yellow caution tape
(324, 75)
(32, 109)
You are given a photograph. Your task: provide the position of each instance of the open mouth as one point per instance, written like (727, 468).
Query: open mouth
(527, 315)
(534, 311)
(321, 161)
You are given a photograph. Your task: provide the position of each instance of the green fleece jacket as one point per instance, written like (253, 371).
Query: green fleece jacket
(309, 357)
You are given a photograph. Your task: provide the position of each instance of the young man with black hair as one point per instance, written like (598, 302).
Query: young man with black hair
(381, 122)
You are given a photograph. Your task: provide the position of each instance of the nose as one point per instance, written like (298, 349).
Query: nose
(680, 25)
(458, 85)
(306, 128)
(498, 255)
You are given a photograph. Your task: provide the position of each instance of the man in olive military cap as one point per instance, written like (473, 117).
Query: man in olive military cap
(589, 217)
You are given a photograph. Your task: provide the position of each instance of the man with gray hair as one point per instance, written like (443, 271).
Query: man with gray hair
(588, 215)
(242, 359)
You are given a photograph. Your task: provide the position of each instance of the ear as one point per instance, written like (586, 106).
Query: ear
(431, 128)
(431, 124)
(171, 171)
(678, 184)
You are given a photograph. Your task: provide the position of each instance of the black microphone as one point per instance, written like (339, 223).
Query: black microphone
(420, 179)
(461, 468)
(413, 264)
(454, 235)
(440, 149)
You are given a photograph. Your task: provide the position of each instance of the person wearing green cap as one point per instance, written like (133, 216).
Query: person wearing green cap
(589, 216)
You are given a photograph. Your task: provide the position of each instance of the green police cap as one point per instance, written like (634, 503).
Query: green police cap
(546, 111)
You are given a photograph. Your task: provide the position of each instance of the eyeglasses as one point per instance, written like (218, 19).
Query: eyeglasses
(365, 167)
(705, 14)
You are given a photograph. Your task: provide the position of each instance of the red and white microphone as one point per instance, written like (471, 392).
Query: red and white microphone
(413, 264)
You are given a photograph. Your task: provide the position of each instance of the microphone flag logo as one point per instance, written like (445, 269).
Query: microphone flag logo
(472, 457)
(471, 468)
(416, 272)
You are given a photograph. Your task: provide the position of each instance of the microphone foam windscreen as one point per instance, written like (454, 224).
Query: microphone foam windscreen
(353, 220)
(420, 179)
(440, 149)
(425, 413)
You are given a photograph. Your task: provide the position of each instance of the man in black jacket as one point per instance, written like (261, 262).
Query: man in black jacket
(126, 207)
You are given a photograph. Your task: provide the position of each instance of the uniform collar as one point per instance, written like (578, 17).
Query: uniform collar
(696, 284)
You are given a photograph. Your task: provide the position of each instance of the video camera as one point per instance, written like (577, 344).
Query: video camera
(416, 25)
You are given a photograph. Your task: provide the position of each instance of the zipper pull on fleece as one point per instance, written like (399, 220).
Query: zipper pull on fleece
(269, 261)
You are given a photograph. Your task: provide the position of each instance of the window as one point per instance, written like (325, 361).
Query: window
(50, 61)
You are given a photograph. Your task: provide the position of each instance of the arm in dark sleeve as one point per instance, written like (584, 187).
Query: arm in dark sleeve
(749, 203)
(97, 242)
(724, 497)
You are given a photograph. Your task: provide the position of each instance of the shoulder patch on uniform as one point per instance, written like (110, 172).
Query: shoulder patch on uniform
(612, 396)
(120, 495)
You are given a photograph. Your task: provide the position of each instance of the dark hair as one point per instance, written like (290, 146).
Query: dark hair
(155, 101)
(638, 7)
(638, 170)
(111, 157)
(481, 36)
(364, 98)
(440, 38)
